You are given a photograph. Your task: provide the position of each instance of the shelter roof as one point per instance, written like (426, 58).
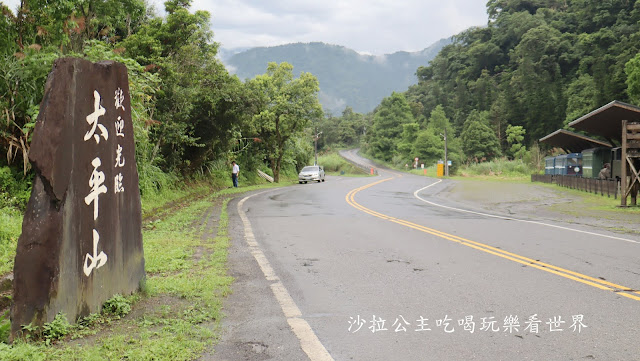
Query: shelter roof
(572, 142)
(606, 121)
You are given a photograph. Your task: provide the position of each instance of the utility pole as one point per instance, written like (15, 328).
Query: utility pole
(315, 146)
(446, 162)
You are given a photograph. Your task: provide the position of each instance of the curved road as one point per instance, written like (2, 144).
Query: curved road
(381, 268)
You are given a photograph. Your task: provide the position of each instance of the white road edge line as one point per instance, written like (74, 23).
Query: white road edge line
(415, 194)
(309, 342)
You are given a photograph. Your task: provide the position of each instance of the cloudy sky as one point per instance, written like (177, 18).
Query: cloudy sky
(367, 26)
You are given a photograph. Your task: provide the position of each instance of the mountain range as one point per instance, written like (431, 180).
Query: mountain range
(346, 77)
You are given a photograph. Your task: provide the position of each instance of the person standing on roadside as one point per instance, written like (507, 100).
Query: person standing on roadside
(235, 172)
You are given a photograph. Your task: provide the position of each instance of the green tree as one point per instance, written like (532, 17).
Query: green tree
(581, 98)
(409, 135)
(515, 136)
(436, 126)
(428, 146)
(478, 140)
(350, 127)
(22, 81)
(196, 105)
(67, 24)
(388, 120)
(632, 69)
(284, 107)
(538, 81)
(438, 121)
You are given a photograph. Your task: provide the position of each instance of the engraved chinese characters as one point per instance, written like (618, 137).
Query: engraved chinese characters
(92, 119)
(96, 182)
(81, 241)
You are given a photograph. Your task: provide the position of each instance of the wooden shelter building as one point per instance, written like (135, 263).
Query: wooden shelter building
(572, 142)
(619, 123)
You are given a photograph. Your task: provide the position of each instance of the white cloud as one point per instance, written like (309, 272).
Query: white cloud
(380, 59)
(367, 26)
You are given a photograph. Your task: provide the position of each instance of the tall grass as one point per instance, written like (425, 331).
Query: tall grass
(153, 180)
(334, 163)
(498, 167)
(10, 229)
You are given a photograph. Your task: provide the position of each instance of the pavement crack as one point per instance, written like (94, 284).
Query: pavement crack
(308, 262)
(398, 261)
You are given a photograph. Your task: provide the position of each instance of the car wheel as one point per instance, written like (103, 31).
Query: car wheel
(323, 179)
(300, 182)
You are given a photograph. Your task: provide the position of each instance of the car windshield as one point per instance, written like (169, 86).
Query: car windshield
(310, 169)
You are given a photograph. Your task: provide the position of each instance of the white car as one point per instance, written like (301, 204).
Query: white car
(311, 173)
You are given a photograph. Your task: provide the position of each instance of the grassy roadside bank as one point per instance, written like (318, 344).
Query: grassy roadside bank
(176, 315)
(334, 164)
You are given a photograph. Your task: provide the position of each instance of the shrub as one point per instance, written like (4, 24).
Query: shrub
(15, 189)
(117, 305)
(501, 167)
(5, 327)
(56, 329)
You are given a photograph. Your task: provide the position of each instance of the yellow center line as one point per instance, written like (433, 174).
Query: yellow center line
(575, 276)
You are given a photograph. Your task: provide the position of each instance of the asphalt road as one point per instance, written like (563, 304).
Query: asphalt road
(388, 268)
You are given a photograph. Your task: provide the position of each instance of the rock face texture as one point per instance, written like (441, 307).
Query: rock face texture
(81, 239)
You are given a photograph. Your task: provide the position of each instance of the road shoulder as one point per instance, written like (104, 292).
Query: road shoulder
(254, 327)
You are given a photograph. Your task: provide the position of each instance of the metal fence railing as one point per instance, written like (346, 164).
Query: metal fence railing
(603, 187)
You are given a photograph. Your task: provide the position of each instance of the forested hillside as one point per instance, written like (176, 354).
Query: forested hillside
(538, 65)
(346, 77)
(191, 117)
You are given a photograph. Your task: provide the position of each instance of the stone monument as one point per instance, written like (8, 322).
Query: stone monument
(81, 239)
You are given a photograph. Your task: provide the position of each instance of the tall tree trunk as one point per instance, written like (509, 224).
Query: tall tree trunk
(278, 165)
(276, 171)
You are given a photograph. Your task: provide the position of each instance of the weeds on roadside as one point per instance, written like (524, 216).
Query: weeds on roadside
(498, 167)
(334, 163)
(5, 327)
(10, 228)
(117, 305)
(56, 329)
